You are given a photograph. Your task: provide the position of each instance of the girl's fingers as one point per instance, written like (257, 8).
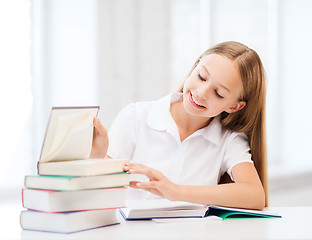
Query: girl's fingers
(158, 183)
(143, 185)
(100, 140)
(142, 169)
(96, 122)
(148, 186)
(140, 185)
(126, 168)
(134, 184)
(98, 126)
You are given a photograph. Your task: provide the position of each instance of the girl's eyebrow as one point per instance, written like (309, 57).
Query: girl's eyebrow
(205, 69)
(219, 84)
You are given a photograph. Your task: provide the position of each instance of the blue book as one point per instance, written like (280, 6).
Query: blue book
(69, 222)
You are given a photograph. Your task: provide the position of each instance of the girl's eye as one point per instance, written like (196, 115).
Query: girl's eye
(218, 95)
(201, 78)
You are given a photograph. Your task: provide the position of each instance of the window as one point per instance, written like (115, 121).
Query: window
(16, 93)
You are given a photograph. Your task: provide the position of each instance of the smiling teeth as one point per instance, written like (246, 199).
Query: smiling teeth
(196, 102)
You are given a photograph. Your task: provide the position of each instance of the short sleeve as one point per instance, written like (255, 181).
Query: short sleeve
(237, 150)
(122, 134)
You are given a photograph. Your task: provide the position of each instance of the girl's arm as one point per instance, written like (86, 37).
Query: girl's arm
(245, 192)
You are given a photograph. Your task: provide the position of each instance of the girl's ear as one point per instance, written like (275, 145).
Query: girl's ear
(236, 107)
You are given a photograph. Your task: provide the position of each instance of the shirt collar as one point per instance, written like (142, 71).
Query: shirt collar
(213, 132)
(160, 119)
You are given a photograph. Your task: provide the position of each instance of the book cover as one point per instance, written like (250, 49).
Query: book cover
(226, 212)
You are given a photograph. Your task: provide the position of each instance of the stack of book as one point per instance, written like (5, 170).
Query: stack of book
(71, 191)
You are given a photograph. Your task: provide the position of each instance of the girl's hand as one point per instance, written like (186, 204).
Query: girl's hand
(100, 140)
(158, 183)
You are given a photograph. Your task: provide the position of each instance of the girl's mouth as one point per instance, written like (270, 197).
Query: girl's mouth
(195, 103)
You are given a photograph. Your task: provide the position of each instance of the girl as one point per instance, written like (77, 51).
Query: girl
(184, 142)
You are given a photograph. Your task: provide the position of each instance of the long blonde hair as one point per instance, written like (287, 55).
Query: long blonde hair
(250, 119)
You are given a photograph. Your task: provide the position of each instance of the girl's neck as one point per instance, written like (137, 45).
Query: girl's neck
(187, 123)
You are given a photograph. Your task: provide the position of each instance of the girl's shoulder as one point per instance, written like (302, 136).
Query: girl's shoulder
(144, 108)
(235, 139)
(222, 134)
(137, 108)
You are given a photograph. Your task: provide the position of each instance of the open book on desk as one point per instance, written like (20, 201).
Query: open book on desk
(163, 208)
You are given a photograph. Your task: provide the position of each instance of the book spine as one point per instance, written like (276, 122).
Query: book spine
(83, 210)
(37, 167)
(23, 198)
(48, 190)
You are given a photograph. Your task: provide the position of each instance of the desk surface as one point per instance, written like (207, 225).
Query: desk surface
(296, 223)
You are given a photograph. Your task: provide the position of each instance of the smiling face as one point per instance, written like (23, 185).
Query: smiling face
(213, 87)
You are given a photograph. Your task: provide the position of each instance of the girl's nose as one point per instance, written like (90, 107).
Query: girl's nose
(202, 91)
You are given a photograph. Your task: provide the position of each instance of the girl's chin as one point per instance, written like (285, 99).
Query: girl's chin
(196, 112)
(193, 111)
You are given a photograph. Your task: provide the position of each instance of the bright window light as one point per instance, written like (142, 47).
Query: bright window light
(15, 80)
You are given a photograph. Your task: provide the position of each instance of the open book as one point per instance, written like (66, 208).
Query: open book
(68, 142)
(163, 208)
(69, 134)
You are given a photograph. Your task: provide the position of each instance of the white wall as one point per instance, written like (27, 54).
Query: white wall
(296, 82)
(113, 52)
(104, 52)
(65, 58)
(134, 47)
(15, 91)
(72, 52)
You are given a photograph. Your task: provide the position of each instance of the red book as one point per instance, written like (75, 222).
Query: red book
(62, 201)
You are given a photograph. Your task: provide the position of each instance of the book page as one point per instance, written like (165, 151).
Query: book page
(161, 204)
(188, 220)
(69, 134)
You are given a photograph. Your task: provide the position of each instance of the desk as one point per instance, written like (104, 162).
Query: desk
(296, 223)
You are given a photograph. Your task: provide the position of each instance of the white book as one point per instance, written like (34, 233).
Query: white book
(85, 167)
(161, 208)
(62, 201)
(67, 183)
(67, 222)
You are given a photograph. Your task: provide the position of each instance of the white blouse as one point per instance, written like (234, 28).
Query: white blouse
(146, 133)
